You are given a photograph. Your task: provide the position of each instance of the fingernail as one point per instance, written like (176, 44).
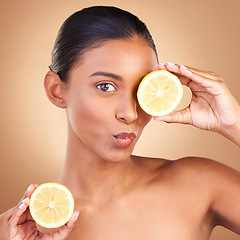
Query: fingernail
(171, 64)
(156, 67)
(25, 200)
(21, 205)
(163, 64)
(156, 119)
(29, 187)
(76, 216)
(183, 66)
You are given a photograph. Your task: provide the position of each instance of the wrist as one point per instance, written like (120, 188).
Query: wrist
(233, 133)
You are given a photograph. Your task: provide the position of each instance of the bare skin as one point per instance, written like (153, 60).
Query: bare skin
(165, 200)
(121, 196)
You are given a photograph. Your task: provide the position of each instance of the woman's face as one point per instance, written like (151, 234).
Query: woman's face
(103, 113)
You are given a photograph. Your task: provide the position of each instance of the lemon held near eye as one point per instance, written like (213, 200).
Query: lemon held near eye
(159, 93)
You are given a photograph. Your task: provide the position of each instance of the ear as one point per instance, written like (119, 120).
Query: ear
(55, 89)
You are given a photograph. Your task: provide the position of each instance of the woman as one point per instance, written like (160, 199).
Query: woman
(100, 56)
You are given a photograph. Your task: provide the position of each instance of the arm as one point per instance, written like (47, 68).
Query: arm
(225, 188)
(218, 191)
(212, 107)
(233, 134)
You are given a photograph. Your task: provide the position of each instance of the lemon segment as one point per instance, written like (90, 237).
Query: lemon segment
(159, 93)
(51, 205)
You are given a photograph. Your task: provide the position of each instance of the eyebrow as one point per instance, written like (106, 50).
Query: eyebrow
(107, 74)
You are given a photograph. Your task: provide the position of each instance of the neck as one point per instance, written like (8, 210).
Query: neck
(90, 177)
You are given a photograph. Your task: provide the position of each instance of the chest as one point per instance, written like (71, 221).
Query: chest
(141, 218)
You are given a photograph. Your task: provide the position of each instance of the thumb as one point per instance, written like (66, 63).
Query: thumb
(182, 116)
(65, 230)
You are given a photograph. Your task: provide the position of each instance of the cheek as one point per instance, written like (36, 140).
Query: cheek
(82, 114)
(87, 114)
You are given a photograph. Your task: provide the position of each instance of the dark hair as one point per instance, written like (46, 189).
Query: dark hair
(87, 29)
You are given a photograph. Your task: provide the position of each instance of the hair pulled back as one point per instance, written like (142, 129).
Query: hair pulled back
(87, 29)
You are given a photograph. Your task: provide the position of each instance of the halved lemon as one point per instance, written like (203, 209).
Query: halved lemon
(51, 205)
(159, 93)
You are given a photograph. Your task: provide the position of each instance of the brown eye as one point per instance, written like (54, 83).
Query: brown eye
(106, 87)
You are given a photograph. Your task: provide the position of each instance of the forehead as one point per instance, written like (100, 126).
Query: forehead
(121, 57)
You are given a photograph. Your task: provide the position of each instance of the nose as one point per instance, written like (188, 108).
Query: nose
(127, 110)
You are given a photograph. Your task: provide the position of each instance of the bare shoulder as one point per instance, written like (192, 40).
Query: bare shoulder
(214, 186)
(186, 164)
(218, 183)
(199, 169)
(204, 168)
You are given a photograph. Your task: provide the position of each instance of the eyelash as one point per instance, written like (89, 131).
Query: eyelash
(108, 85)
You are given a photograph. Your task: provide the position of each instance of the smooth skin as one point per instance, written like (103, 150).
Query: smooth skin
(121, 196)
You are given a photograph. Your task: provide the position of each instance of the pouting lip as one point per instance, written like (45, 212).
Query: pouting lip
(125, 135)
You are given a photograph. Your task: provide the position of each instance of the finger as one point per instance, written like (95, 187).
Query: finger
(65, 230)
(181, 69)
(25, 199)
(197, 78)
(23, 217)
(17, 215)
(175, 67)
(20, 210)
(195, 81)
(172, 67)
(183, 116)
(14, 220)
(73, 219)
(29, 191)
(208, 74)
(8, 214)
(163, 66)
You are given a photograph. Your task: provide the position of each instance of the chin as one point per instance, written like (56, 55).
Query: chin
(119, 157)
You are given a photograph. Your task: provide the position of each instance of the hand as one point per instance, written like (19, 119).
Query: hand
(212, 106)
(18, 223)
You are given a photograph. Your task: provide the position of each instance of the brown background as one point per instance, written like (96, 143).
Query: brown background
(203, 34)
